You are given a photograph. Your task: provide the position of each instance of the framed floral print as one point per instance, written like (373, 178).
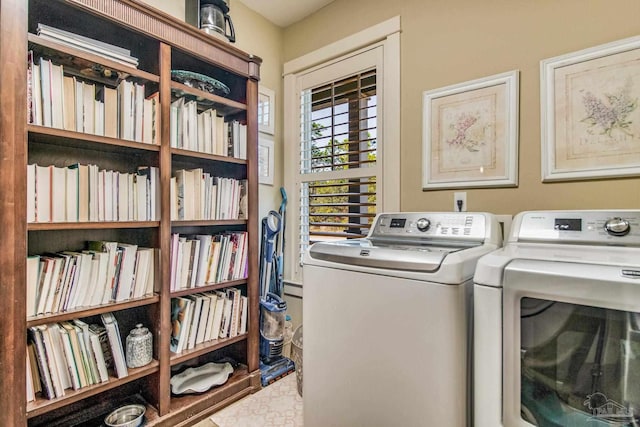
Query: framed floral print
(591, 113)
(470, 134)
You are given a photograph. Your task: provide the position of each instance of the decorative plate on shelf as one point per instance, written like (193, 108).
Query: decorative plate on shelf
(200, 81)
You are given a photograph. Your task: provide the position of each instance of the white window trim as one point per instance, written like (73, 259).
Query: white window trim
(387, 34)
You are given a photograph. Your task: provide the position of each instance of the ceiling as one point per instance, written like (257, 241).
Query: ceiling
(285, 12)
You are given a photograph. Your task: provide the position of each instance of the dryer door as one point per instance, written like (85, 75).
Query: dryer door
(571, 345)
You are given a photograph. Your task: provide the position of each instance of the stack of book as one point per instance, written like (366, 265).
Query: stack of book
(207, 316)
(204, 259)
(67, 102)
(206, 132)
(82, 193)
(86, 44)
(73, 354)
(197, 195)
(106, 272)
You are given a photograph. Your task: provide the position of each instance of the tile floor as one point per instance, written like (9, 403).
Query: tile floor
(277, 405)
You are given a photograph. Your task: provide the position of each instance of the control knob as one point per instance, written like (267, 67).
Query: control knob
(617, 226)
(423, 224)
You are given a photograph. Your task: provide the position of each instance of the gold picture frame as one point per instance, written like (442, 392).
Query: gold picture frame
(590, 112)
(470, 134)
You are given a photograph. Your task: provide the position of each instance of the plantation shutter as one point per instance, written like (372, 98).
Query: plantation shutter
(338, 158)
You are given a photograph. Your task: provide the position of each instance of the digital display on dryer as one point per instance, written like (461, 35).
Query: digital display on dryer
(572, 224)
(397, 222)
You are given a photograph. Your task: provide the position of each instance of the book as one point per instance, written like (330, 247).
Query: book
(52, 362)
(204, 317)
(234, 323)
(125, 281)
(41, 358)
(103, 338)
(111, 249)
(69, 357)
(33, 278)
(225, 324)
(43, 193)
(194, 320)
(76, 349)
(115, 343)
(244, 310)
(110, 100)
(180, 313)
(69, 103)
(98, 336)
(90, 358)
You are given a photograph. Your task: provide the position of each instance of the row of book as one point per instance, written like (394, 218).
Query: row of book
(205, 131)
(203, 259)
(207, 316)
(73, 355)
(198, 195)
(81, 193)
(104, 273)
(67, 102)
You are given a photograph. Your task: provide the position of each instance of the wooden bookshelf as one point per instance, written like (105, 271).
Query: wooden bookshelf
(162, 44)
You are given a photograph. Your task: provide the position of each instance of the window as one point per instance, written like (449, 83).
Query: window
(336, 167)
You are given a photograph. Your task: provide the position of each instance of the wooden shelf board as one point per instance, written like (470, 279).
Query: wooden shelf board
(208, 287)
(106, 225)
(42, 406)
(91, 311)
(206, 156)
(84, 140)
(204, 348)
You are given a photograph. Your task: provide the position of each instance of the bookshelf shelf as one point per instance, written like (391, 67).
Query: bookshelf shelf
(91, 311)
(184, 155)
(208, 287)
(42, 406)
(65, 138)
(48, 226)
(205, 348)
(160, 44)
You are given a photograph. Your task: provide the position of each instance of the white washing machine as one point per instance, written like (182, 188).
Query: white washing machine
(557, 323)
(386, 321)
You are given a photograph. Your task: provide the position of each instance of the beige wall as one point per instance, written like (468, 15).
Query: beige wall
(451, 41)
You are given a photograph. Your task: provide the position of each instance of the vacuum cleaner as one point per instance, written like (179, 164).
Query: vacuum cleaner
(273, 365)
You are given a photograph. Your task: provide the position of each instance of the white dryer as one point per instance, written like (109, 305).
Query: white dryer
(557, 323)
(386, 321)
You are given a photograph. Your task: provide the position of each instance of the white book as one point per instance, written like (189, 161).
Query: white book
(173, 190)
(132, 196)
(195, 321)
(69, 103)
(45, 84)
(115, 342)
(185, 249)
(200, 145)
(54, 284)
(52, 362)
(84, 355)
(79, 105)
(58, 350)
(185, 325)
(57, 119)
(88, 107)
(111, 249)
(126, 111)
(151, 275)
(226, 317)
(36, 95)
(174, 260)
(31, 193)
(204, 317)
(125, 281)
(58, 193)
(96, 347)
(33, 278)
(141, 198)
(72, 193)
(203, 258)
(143, 258)
(244, 304)
(216, 318)
(43, 193)
(98, 118)
(194, 263)
(97, 288)
(147, 121)
(69, 358)
(81, 296)
(138, 115)
(123, 196)
(94, 181)
(92, 368)
(110, 98)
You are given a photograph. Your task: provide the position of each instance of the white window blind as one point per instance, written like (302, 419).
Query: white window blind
(338, 158)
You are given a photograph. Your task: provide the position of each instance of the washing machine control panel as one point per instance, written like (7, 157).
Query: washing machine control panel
(592, 227)
(403, 225)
